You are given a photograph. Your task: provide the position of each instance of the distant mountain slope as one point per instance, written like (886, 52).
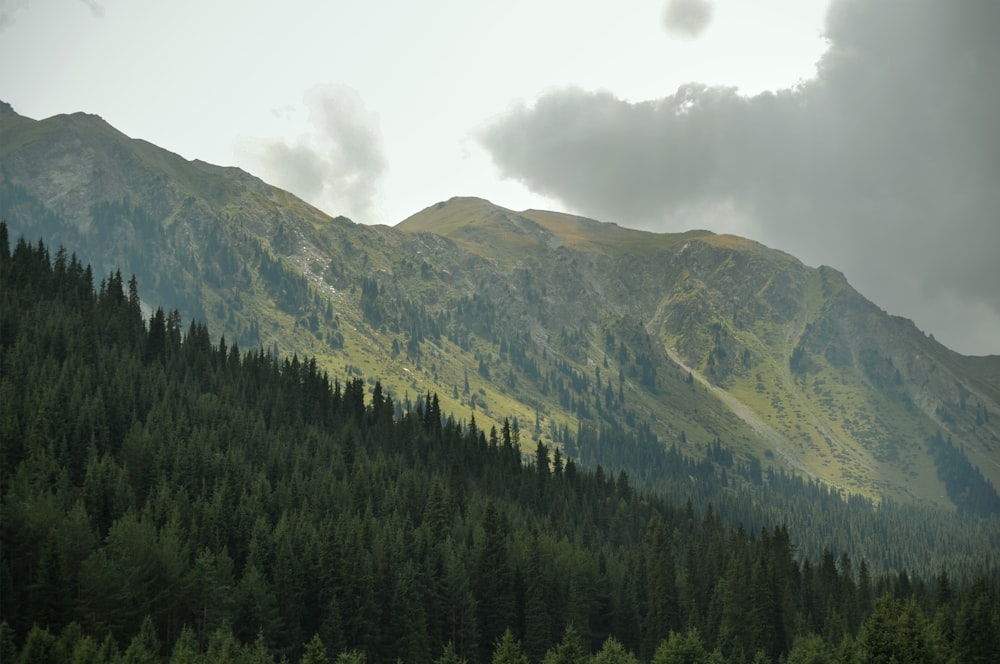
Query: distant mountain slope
(592, 335)
(833, 384)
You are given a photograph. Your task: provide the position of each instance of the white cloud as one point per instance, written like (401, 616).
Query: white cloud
(337, 165)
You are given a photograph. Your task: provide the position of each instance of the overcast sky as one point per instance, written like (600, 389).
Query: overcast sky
(860, 134)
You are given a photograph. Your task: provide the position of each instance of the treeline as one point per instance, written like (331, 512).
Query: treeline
(600, 378)
(965, 484)
(888, 535)
(165, 496)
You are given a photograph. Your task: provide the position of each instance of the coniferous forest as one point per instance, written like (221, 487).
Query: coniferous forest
(166, 497)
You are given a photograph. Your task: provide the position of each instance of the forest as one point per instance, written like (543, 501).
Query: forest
(171, 498)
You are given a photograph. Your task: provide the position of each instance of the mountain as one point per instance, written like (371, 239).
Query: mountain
(167, 495)
(610, 343)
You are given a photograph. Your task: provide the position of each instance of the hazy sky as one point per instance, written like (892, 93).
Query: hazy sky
(883, 161)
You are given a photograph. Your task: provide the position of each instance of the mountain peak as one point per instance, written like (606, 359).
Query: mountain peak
(498, 232)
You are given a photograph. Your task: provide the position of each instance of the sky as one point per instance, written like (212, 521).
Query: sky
(860, 134)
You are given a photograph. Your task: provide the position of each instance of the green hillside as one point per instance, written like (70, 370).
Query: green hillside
(831, 386)
(579, 330)
(164, 497)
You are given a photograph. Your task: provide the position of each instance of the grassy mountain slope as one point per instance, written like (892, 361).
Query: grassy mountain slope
(834, 386)
(577, 328)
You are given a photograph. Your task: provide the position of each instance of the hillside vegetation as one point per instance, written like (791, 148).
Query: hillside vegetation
(165, 495)
(568, 326)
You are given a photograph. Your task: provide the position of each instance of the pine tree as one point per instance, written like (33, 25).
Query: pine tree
(507, 650)
(537, 595)
(494, 593)
(449, 656)
(38, 647)
(185, 648)
(686, 648)
(314, 652)
(661, 614)
(569, 651)
(977, 625)
(613, 652)
(144, 647)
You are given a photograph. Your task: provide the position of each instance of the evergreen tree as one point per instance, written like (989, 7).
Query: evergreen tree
(569, 651)
(8, 649)
(977, 625)
(507, 650)
(38, 647)
(494, 593)
(185, 648)
(661, 613)
(449, 656)
(538, 594)
(314, 652)
(612, 652)
(144, 647)
(687, 648)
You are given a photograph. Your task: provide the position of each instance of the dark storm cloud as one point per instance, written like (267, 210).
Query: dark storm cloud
(629, 161)
(687, 18)
(887, 165)
(338, 165)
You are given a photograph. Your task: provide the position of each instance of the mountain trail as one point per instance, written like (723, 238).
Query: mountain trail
(745, 413)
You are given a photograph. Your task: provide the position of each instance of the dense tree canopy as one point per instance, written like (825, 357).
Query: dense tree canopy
(167, 496)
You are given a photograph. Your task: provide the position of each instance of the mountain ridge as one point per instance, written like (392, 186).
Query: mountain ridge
(837, 300)
(571, 323)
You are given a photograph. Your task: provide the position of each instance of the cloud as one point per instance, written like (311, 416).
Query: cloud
(96, 8)
(337, 165)
(298, 168)
(884, 166)
(628, 161)
(9, 7)
(7, 11)
(687, 18)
